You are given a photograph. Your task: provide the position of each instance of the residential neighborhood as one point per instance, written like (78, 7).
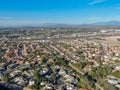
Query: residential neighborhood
(61, 63)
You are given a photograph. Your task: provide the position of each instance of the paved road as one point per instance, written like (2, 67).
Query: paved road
(76, 69)
(96, 84)
(79, 71)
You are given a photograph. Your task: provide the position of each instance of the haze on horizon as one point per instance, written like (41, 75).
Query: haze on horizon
(35, 12)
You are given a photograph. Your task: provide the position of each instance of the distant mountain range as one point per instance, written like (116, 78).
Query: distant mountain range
(108, 23)
(97, 24)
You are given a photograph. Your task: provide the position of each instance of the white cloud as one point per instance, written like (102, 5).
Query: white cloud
(4, 17)
(118, 8)
(96, 1)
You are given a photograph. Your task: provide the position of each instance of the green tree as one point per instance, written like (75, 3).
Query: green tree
(117, 61)
(37, 77)
(116, 74)
(81, 84)
(6, 78)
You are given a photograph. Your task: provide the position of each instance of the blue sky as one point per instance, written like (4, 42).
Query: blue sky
(34, 12)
